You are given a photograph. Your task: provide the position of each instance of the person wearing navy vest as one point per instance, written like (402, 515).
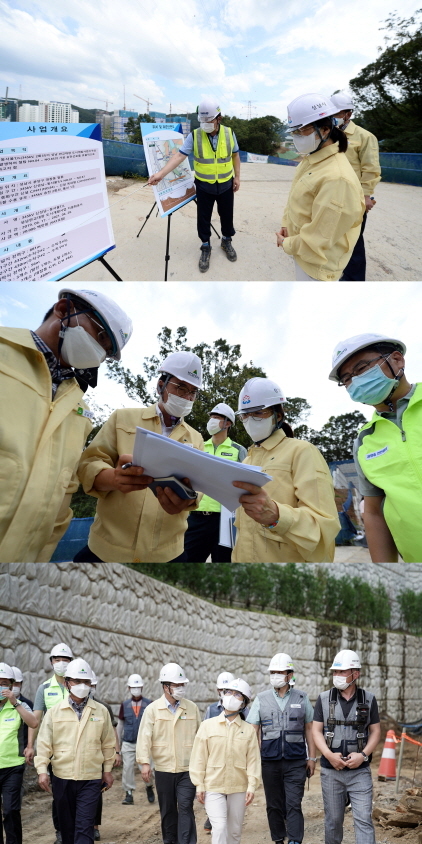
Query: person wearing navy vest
(130, 716)
(49, 693)
(14, 714)
(283, 715)
(346, 731)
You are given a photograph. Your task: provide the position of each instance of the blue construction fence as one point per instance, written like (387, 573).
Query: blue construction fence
(122, 158)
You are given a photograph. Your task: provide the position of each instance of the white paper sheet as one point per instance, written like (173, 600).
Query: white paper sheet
(226, 528)
(161, 457)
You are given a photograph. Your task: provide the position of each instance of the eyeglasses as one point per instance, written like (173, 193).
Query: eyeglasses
(256, 414)
(103, 337)
(184, 392)
(234, 693)
(359, 369)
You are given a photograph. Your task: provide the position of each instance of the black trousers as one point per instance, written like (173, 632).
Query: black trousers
(356, 268)
(204, 207)
(99, 814)
(284, 784)
(176, 794)
(201, 539)
(10, 796)
(85, 555)
(77, 802)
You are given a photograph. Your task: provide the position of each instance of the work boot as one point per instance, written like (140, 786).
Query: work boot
(150, 794)
(207, 826)
(204, 261)
(128, 801)
(97, 836)
(226, 244)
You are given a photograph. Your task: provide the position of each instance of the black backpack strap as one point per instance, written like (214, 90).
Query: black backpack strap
(362, 719)
(331, 720)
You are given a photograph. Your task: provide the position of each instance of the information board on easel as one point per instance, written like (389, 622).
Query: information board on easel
(161, 141)
(54, 214)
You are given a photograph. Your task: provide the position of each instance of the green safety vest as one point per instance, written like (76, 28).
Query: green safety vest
(213, 166)
(11, 737)
(230, 452)
(53, 693)
(392, 459)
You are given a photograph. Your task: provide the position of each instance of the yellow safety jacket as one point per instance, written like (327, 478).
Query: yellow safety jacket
(166, 737)
(213, 166)
(303, 490)
(225, 757)
(132, 528)
(363, 154)
(41, 444)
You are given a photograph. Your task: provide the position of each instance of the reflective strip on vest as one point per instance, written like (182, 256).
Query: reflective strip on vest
(131, 722)
(345, 737)
(207, 503)
(283, 732)
(11, 737)
(54, 693)
(219, 168)
(392, 460)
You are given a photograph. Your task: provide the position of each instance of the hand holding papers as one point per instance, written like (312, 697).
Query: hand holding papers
(161, 457)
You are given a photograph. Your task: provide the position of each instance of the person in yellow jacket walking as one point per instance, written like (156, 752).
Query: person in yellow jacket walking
(225, 765)
(293, 518)
(202, 537)
(322, 220)
(45, 422)
(141, 528)
(363, 154)
(166, 734)
(14, 715)
(388, 449)
(77, 737)
(217, 176)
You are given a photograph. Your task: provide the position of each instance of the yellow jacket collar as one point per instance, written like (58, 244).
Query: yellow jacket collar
(272, 441)
(350, 128)
(322, 154)
(163, 703)
(222, 719)
(18, 336)
(65, 703)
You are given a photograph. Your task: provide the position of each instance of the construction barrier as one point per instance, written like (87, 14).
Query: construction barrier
(387, 768)
(404, 168)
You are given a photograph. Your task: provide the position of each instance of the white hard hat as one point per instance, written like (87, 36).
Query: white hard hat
(224, 410)
(307, 109)
(61, 650)
(172, 673)
(208, 109)
(342, 101)
(346, 348)
(78, 669)
(259, 393)
(224, 679)
(281, 662)
(6, 672)
(94, 680)
(242, 686)
(111, 315)
(184, 365)
(18, 674)
(135, 680)
(346, 659)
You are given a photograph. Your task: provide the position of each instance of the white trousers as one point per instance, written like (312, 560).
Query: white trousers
(226, 813)
(128, 751)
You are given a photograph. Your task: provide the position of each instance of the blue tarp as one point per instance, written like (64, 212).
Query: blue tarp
(75, 538)
(404, 168)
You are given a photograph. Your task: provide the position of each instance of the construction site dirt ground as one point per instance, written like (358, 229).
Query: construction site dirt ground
(140, 823)
(393, 234)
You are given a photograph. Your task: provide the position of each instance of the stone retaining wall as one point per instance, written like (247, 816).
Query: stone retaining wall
(123, 622)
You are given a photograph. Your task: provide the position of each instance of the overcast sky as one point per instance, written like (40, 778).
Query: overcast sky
(262, 50)
(289, 329)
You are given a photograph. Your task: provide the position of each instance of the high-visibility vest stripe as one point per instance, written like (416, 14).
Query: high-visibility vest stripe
(219, 168)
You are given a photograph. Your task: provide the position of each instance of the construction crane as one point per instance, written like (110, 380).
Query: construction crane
(97, 100)
(148, 102)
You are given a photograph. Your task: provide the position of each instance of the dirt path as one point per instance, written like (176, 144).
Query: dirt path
(140, 823)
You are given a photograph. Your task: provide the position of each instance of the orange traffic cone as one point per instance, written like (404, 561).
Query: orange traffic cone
(387, 768)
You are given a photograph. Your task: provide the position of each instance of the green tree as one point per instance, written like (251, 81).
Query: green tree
(335, 439)
(410, 605)
(133, 127)
(261, 135)
(389, 90)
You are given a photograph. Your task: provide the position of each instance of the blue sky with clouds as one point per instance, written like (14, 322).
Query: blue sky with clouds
(266, 51)
(289, 329)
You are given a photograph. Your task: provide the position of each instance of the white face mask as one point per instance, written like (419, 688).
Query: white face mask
(307, 143)
(341, 682)
(135, 691)
(16, 691)
(175, 406)
(207, 127)
(59, 668)
(81, 690)
(259, 430)
(278, 680)
(213, 426)
(232, 703)
(177, 692)
(80, 350)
